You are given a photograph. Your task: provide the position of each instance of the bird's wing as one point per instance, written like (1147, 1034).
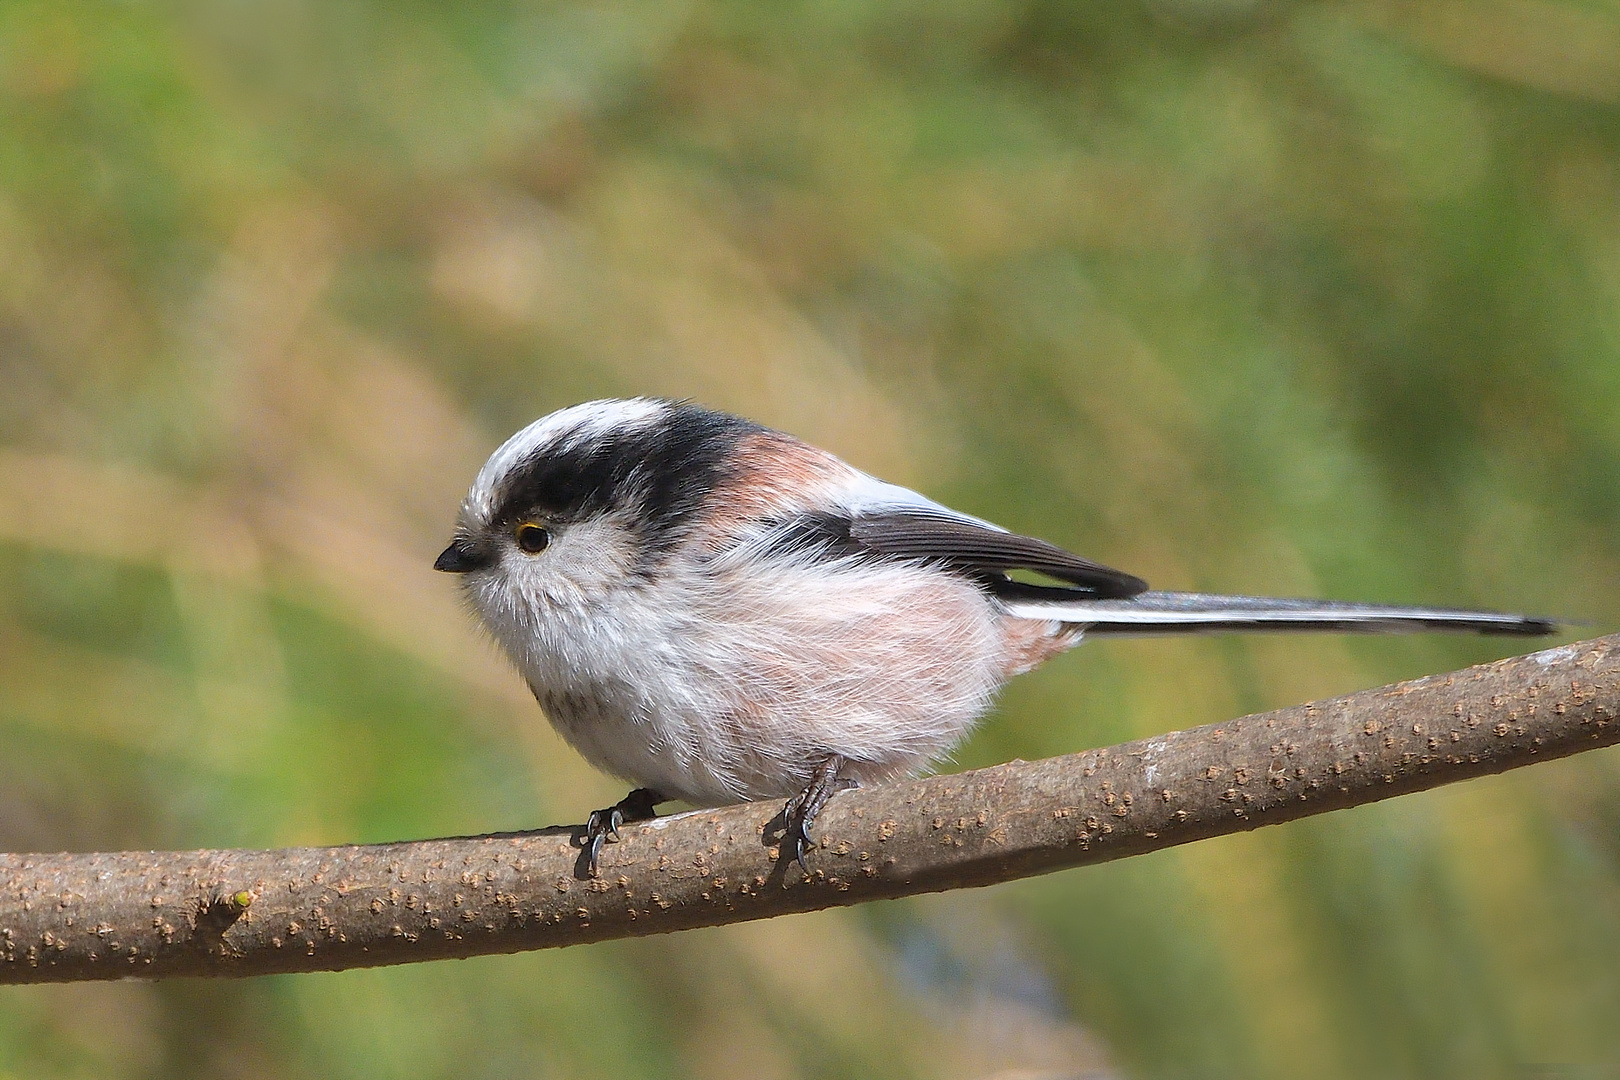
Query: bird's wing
(936, 533)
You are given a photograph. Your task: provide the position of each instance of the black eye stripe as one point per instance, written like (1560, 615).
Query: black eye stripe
(658, 472)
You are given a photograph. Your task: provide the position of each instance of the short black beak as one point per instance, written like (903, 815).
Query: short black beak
(459, 558)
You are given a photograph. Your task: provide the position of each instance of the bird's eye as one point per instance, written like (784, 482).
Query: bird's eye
(532, 538)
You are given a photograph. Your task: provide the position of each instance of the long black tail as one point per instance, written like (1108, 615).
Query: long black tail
(1203, 613)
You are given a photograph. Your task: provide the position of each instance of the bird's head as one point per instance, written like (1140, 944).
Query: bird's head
(585, 501)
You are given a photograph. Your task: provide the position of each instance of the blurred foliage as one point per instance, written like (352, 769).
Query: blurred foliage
(1309, 298)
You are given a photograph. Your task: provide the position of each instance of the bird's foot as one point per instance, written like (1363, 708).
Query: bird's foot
(801, 810)
(604, 824)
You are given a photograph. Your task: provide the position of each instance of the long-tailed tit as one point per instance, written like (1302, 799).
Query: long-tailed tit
(716, 611)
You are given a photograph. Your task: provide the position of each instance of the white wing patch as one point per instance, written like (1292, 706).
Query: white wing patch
(867, 494)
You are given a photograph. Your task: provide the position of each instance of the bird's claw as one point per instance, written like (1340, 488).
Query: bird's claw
(798, 829)
(603, 825)
(599, 827)
(604, 822)
(800, 812)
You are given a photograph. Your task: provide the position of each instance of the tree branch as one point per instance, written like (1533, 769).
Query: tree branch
(225, 913)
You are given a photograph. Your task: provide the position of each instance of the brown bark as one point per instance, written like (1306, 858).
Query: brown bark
(157, 914)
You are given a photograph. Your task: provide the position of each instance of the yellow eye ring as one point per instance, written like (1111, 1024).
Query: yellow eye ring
(532, 538)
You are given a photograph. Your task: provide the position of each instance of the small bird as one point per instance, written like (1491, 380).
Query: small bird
(719, 612)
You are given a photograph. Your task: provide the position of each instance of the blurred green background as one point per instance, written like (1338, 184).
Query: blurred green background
(1302, 298)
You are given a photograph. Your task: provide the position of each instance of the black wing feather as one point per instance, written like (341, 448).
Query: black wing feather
(910, 532)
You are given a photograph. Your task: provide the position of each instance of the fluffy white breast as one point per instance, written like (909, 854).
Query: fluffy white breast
(732, 686)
